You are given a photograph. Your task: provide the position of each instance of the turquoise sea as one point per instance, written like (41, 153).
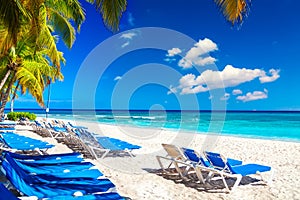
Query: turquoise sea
(255, 124)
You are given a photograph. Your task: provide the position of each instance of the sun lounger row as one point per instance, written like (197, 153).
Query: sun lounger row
(80, 139)
(7, 126)
(72, 176)
(214, 164)
(16, 142)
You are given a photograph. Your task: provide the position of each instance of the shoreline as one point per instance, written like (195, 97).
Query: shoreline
(284, 139)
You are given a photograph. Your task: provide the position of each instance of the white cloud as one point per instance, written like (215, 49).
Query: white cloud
(174, 51)
(129, 35)
(117, 78)
(209, 79)
(125, 44)
(237, 91)
(225, 97)
(198, 55)
(172, 90)
(256, 95)
(274, 76)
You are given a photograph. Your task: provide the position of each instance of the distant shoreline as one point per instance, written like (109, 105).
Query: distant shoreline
(144, 110)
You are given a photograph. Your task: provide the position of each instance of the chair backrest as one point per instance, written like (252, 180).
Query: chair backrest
(193, 156)
(174, 152)
(216, 160)
(12, 163)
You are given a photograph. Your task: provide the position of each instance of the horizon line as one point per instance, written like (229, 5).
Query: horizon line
(171, 110)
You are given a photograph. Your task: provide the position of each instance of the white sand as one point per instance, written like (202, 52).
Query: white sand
(137, 177)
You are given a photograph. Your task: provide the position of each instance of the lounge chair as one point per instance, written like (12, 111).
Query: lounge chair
(63, 170)
(105, 145)
(195, 157)
(7, 195)
(43, 188)
(227, 169)
(7, 126)
(15, 142)
(48, 159)
(177, 158)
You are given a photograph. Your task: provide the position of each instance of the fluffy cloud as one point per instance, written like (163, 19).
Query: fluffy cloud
(174, 51)
(198, 55)
(225, 97)
(237, 91)
(117, 78)
(274, 76)
(209, 79)
(256, 95)
(129, 35)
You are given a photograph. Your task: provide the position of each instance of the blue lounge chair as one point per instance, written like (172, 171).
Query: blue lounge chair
(12, 141)
(116, 146)
(7, 195)
(105, 145)
(193, 156)
(226, 169)
(57, 128)
(177, 158)
(48, 159)
(30, 187)
(79, 170)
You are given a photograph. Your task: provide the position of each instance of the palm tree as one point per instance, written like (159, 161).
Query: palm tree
(31, 71)
(32, 45)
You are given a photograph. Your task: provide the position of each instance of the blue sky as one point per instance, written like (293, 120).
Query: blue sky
(253, 67)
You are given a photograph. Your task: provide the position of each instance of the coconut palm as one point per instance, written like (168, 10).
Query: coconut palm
(31, 69)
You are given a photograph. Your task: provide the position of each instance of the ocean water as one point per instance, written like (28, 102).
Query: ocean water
(268, 125)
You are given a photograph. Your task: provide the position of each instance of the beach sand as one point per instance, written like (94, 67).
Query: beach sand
(140, 178)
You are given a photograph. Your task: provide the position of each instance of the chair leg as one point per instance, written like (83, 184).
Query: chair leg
(225, 183)
(268, 181)
(178, 169)
(199, 175)
(237, 182)
(160, 163)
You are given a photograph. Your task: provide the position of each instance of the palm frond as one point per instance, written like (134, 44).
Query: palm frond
(234, 11)
(29, 82)
(62, 26)
(71, 9)
(11, 13)
(111, 11)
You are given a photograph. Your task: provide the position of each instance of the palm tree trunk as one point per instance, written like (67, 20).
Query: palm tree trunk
(13, 98)
(4, 79)
(4, 98)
